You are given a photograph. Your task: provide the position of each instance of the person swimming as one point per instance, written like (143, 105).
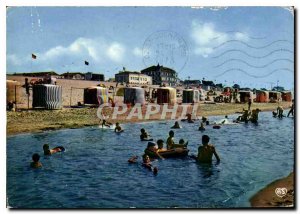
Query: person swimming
(118, 128)
(48, 151)
(152, 150)
(105, 123)
(160, 145)
(144, 135)
(176, 125)
(181, 142)
(201, 128)
(189, 118)
(254, 115)
(36, 163)
(206, 151)
(225, 121)
(280, 111)
(171, 144)
(147, 164)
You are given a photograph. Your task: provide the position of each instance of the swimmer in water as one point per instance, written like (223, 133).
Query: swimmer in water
(144, 135)
(147, 164)
(206, 151)
(36, 163)
(105, 123)
(133, 159)
(176, 126)
(171, 144)
(189, 118)
(160, 145)
(201, 128)
(118, 128)
(181, 142)
(48, 151)
(152, 150)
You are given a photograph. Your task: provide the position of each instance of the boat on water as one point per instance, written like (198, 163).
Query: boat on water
(170, 153)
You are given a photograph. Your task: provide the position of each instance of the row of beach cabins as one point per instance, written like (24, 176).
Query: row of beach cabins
(50, 96)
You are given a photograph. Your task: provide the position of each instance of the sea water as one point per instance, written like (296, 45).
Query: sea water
(93, 172)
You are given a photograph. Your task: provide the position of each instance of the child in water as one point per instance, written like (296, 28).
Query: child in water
(36, 163)
(105, 123)
(171, 144)
(152, 150)
(118, 128)
(206, 151)
(160, 145)
(201, 128)
(144, 135)
(147, 164)
(48, 151)
(176, 126)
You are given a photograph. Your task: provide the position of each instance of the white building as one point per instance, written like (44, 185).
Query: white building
(133, 78)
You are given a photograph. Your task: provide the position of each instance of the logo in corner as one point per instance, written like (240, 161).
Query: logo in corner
(280, 192)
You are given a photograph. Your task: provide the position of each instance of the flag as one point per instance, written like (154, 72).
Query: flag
(86, 63)
(33, 56)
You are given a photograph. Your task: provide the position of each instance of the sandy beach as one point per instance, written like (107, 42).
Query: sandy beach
(268, 198)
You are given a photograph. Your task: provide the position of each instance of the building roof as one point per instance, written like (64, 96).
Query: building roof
(72, 73)
(157, 68)
(208, 83)
(130, 72)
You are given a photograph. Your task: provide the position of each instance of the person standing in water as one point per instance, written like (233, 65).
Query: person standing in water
(206, 151)
(291, 110)
(35, 161)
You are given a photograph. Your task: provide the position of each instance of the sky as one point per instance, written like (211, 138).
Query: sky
(250, 46)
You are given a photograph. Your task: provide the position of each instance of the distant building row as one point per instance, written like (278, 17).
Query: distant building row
(67, 75)
(154, 75)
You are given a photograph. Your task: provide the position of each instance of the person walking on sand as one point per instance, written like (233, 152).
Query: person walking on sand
(206, 151)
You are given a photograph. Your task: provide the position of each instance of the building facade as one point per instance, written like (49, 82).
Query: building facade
(161, 75)
(129, 77)
(73, 75)
(95, 77)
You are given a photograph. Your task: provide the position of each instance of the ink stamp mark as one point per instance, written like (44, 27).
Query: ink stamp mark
(167, 48)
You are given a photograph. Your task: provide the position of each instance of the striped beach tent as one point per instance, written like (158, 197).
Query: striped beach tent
(13, 91)
(95, 95)
(47, 96)
(166, 95)
(134, 95)
(190, 96)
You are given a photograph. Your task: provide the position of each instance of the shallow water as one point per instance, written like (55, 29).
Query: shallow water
(93, 172)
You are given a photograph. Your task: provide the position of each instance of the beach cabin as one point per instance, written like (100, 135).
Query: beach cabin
(245, 96)
(133, 95)
(13, 91)
(95, 95)
(262, 96)
(47, 96)
(166, 95)
(274, 96)
(286, 96)
(190, 96)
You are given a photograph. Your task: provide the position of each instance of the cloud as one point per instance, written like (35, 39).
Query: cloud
(116, 52)
(98, 51)
(206, 37)
(13, 59)
(137, 52)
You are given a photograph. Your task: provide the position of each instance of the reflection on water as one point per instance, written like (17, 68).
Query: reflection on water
(93, 172)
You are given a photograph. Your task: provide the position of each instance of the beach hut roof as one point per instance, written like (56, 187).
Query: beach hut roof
(244, 91)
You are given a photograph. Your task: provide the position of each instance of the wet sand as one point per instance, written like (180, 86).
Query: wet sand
(267, 197)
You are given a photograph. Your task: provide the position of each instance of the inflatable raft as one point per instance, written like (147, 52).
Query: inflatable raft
(171, 153)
